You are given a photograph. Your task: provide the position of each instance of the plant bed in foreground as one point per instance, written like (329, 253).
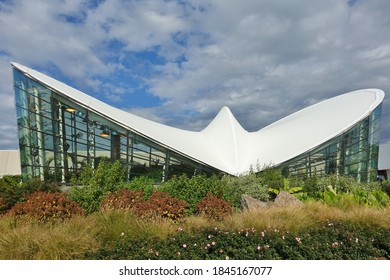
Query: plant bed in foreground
(315, 231)
(332, 241)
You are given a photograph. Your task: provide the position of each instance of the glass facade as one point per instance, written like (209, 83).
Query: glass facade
(353, 153)
(57, 137)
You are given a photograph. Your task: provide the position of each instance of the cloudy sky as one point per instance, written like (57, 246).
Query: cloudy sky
(178, 62)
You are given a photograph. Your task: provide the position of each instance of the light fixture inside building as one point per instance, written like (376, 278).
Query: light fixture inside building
(80, 114)
(70, 110)
(105, 131)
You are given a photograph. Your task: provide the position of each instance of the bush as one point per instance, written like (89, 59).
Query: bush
(333, 241)
(195, 188)
(213, 207)
(386, 186)
(250, 184)
(44, 206)
(358, 195)
(96, 184)
(272, 177)
(106, 175)
(161, 205)
(339, 183)
(122, 199)
(145, 184)
(12, 190)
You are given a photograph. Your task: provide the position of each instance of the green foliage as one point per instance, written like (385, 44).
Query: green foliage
(45, 207)
(88, 197)
(195, 188)
(286, 188)
(310, 185)
(96, 184)
(272, 177)
(354, 197)
(339, 183)
(333, 241)
(249, 184)
(12, 190)
(314, 185)
(11, 180)
(213, 207)
(385, 185)
(145, 184)
(107, 175)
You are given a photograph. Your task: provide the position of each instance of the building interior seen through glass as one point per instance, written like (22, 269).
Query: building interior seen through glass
(57, 137)
(354, 153)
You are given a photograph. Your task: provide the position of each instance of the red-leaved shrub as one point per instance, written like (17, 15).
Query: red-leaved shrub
(44, 206)
(161, 205)
(122, 199)
(213, 207)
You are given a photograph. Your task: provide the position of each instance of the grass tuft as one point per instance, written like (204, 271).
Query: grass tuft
(22, 240)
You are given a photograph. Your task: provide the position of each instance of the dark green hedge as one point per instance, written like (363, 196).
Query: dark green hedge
(341, 241)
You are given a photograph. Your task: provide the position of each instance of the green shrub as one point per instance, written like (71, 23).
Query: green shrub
(249, 184)
(145, 184)
(122, 199)
(107, 175)
(333, 241)
(195, 188)
(12, 190)
(338, 183)
(271, 177)
(356, 196)
(11, 180)
(386, 186)
(214, 208)
(310, 186)
(88, 197)
(44, 206)
(96, 184)
(160, 205)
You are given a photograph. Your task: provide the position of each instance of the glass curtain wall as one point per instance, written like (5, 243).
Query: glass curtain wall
(57, 137)
(354, 153)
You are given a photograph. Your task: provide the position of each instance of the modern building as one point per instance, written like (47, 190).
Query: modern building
(61, 129)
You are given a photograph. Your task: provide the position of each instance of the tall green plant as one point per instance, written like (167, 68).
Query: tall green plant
(287, 188)
(249, 184)
(145, 184)
(195, 188)
(96, 184)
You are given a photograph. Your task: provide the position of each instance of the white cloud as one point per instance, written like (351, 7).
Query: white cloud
(264, 59)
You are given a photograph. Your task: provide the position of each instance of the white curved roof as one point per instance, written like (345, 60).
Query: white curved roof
(224, 144)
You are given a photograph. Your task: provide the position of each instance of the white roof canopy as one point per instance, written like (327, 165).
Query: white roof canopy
(224, 144)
